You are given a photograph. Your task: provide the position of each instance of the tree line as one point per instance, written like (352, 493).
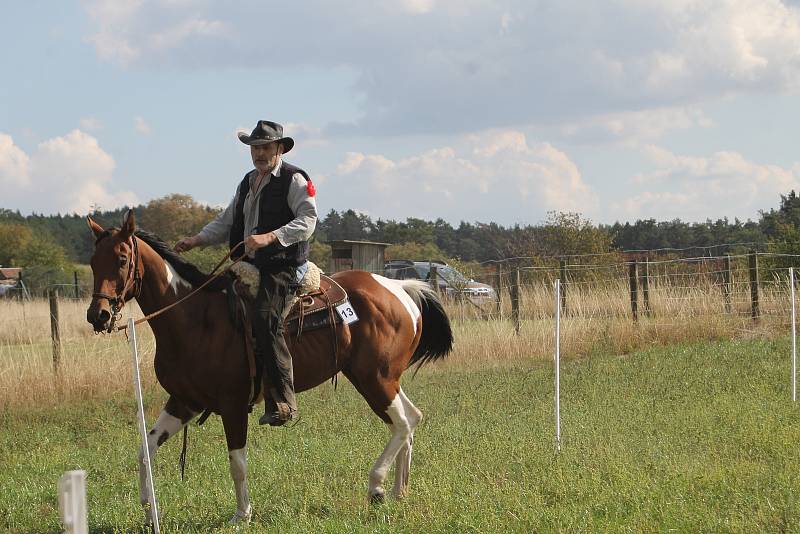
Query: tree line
(49, 247)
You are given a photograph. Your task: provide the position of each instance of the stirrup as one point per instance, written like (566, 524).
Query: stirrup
(280, 417)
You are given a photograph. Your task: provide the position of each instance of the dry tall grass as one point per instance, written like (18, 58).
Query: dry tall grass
(91, 366)
(598, 318)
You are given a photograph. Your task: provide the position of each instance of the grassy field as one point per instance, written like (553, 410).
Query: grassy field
(691, 437)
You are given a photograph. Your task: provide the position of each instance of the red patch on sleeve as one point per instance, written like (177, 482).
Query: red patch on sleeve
(311, 189)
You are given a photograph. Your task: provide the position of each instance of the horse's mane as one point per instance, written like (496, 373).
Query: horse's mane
(185, 269)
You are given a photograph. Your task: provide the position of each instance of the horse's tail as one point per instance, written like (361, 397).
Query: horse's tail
(437, 335)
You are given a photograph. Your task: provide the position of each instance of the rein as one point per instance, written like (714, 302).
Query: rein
(192, 293)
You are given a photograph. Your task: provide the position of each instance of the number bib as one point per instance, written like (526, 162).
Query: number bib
(347, 313)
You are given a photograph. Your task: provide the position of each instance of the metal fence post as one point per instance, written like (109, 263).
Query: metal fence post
(562, 269)
(794, 335)
(137, 386)
(558, 367)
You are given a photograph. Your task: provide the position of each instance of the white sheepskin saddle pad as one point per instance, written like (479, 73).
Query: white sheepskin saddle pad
(248, 276)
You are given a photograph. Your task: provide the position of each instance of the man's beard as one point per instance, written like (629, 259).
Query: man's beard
(268, 168)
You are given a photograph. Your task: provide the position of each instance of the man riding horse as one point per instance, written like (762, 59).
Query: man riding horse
(274, 212)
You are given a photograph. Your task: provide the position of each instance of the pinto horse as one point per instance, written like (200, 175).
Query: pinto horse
(201, 358)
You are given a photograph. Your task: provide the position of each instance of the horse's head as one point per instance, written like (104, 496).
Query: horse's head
(116, 265)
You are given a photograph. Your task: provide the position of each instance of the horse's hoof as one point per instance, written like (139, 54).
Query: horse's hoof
(241, 518)
(377, 496)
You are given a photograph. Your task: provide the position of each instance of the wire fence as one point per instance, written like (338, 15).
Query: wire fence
(746, 289)
(627, 302)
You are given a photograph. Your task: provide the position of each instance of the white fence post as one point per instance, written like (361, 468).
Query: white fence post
(151, 490)
(794, 337)
(557, 359)
(72, 502)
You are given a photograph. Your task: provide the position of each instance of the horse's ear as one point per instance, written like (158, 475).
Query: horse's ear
(128, 226)
(96, 229)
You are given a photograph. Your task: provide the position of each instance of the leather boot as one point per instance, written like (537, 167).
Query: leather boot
(275, 413)
(282, 415)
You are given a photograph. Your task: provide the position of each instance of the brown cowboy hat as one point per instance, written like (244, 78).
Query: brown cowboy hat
(267, 132)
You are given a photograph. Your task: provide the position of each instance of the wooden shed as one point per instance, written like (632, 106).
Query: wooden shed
(361, 255)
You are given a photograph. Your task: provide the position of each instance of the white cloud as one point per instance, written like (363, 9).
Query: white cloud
(495, 175)
(142, 126)
(305, 135)
(66, 174)
(634, 127)
(125, 33)
(176, 35)
(90, 124)
(417, 6)
(356, 161)
(14, 166)
(112, 18)
(475, 65)
(724, 184)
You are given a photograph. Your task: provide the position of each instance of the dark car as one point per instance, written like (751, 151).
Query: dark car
(450, 280)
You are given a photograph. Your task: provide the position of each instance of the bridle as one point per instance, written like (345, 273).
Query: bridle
(133, 280)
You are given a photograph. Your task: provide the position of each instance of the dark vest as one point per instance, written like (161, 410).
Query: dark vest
(273, 212)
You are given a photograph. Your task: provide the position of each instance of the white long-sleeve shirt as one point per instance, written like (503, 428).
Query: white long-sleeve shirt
(298, 229)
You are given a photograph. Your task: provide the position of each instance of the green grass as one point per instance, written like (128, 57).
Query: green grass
(687, 438)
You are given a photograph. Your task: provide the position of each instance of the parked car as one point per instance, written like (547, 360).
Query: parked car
(451, 281)
(12, 290)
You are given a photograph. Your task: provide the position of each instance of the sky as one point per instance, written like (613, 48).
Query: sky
(456, 109)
